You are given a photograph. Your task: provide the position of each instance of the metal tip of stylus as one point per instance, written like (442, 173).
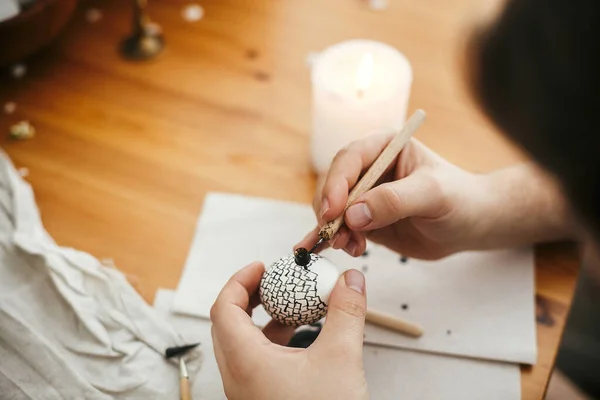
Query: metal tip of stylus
(321, 240)
(183, 372)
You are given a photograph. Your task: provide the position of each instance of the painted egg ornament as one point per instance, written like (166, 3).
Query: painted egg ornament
(295, 289)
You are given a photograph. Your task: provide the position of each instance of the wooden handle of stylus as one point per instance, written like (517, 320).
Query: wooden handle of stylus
(184, 389)
(376, 170)
(393, 323)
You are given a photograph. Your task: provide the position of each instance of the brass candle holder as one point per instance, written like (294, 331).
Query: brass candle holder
(146, 40)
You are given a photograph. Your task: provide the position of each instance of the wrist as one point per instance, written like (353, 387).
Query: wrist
(518, 206)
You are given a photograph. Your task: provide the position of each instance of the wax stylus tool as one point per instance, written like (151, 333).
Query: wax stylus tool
(375, 171)
(184, 379)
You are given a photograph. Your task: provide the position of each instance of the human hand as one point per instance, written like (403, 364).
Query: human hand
(255, 365)
(423, 207)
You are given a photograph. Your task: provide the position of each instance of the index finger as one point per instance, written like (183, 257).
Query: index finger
(345, 170)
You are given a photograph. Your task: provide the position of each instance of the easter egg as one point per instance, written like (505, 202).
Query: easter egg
(296, 295)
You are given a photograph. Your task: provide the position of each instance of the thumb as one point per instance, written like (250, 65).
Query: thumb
(345, 321)
(418, 195)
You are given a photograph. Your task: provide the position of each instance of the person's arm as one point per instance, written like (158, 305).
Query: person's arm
(517, 206)
(428, 208)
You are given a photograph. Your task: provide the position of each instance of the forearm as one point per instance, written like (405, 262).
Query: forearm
(518, 206)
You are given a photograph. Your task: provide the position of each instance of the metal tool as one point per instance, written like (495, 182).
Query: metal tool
(184, 379)
(321, 240)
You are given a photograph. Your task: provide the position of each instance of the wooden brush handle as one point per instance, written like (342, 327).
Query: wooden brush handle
(184, 389)
(376, 170)
(393, 323)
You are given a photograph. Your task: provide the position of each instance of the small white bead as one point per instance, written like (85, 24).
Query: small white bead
(24, 172)
(93, 15)
(22, 130)
(10, 107)
(18, 71)
(192, 12)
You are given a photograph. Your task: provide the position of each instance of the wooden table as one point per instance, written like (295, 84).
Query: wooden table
(125, 152)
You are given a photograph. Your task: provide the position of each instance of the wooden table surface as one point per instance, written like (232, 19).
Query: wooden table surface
(125, 152)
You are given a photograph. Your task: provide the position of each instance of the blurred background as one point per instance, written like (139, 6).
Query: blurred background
(224, 106)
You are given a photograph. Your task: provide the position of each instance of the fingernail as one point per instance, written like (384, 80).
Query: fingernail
(355, 280)
(324, 206)
(359, 215)
(351, 248)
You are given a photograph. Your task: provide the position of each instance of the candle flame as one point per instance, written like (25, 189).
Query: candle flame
(364, 74)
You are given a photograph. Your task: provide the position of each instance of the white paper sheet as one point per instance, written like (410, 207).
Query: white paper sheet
(232, 232)
(476, 304)
(392, 374)
(395, 374)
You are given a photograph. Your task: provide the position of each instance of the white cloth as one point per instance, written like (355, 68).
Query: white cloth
(71, 328)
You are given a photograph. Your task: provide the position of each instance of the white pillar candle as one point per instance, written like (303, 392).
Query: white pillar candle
(359, 87)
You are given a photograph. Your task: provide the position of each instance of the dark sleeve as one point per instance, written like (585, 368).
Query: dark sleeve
(579, 355)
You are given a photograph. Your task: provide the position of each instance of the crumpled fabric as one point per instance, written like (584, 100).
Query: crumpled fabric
(71, 328)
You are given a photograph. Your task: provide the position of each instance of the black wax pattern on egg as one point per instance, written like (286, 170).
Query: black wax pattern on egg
(288, 292)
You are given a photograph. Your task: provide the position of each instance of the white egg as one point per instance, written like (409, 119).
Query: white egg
(295, 295)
